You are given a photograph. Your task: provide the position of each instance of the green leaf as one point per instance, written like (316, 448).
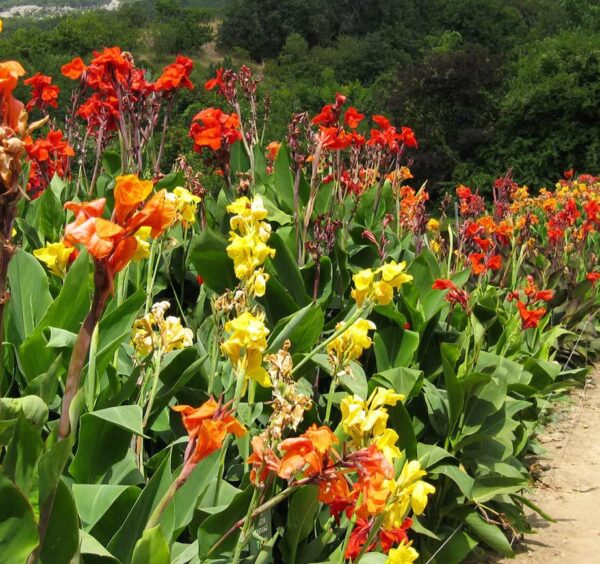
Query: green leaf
(115, 327)
(94, 500)
(111, 163)
(50, 468)
(22, 454)
(59, 338)
(217, 524)
(488, 487)
(488, 533)
(450, 354)
(18, 528)
(152, 548)
(303, 329)
(66, 312)
(285, 268)
(104, 439)
(32, 408)
(300, 518)
(50, 215)
(209, 257)
(92, 547)
(283, 180)
(62, 536)
(29, 294)
(455, 549)
(124, 540)
(406, 381)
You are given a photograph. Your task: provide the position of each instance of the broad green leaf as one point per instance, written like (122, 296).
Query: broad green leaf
(32, 408)
(152, 548)
(300, 518)
(29, 294)
(214, 526)
(49, 215)
(285, 268)
(303, 329)
(124, 540)
(283, 180)
(92, 547)
(62, 536)
(59, 338)
(453, 550)
(104, 439)
(488, 487)
(209, 257)
(66, 312)
(489, 534)
(94, 500)
(22, 454)
(18, 528)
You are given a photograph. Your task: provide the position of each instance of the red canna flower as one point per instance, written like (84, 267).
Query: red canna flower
(215, 82)
(43, 92)
(455, 295)
(213, 128)
(47, 156)
(176, 75)
(530, 318)
(593, 277)
(74, 69)
(352, 118)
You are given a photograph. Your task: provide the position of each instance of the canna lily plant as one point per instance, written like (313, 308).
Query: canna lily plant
(346, 372)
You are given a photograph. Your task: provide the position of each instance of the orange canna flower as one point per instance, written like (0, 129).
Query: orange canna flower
(129, 192)
(10, 107)
(114, 241)
(263, 461)
(306, 452)
(74, 69)
(207, 427)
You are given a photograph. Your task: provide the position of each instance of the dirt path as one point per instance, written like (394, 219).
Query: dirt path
(570, 485)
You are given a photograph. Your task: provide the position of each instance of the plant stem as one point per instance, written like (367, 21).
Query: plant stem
(330, 395)
(246, 528)
(102, 283)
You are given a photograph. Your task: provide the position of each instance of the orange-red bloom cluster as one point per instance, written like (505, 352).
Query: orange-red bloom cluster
(207, 427)
(113, 241)
(10, 107)
(176, 75)
(456, 295)
(530, 310)
(388, 137)
(43, 93)
(214, 129)
(47, 156)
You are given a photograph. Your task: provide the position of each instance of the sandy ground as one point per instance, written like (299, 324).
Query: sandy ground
(569, 487)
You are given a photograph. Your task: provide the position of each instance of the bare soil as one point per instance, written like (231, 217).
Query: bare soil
(569, 484)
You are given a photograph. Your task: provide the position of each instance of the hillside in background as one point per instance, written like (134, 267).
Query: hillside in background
(488, 85)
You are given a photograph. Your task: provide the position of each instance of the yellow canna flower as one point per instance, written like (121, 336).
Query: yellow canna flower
(246, 212)
(55, 256)
(433, 225)
(187, 204)
(248, 243)
(154, 332)
(386, 443)
(365, 421)
(142, 250)
(406, 492)
(378, 286)
(245, 345)
(351, 343)
(174, 336)
(403, 554)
